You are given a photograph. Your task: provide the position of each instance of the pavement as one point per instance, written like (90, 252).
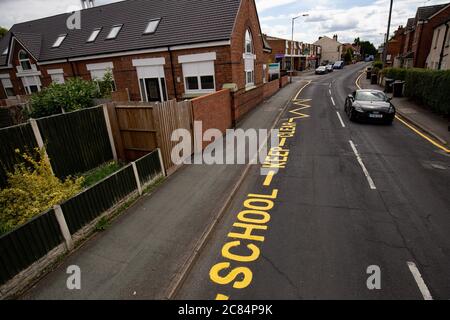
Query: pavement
(361, 211)
(146, 248)
(432, 124)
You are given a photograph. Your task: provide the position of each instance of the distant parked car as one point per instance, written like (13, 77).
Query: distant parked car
(339, 65)
(321, 70)
(330, 67)
(370, 105)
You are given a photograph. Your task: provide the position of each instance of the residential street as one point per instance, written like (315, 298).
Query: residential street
(331, 220)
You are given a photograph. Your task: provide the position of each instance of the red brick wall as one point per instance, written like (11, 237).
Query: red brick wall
(214, 110)
(270, 88)
(284, 81)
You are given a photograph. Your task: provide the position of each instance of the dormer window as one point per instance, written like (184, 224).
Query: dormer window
(114, 32)
(24, 60)
(94, 35)
(59, 41)
(4, 53)
(152, 26)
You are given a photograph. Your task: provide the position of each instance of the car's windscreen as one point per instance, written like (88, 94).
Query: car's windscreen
(370, 96)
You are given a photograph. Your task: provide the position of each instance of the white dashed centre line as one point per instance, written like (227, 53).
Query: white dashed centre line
(419, 280)
(361, 163)
(340, 119)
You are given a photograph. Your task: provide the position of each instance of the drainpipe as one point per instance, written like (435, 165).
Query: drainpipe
(447, 27)
(173, 73)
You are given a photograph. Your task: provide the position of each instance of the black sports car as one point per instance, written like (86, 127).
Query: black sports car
(370, 105)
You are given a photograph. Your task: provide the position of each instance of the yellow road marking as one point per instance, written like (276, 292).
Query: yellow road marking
(300, 91)
(357, 81)
(269, 178)
(282, 142)
(423, 135)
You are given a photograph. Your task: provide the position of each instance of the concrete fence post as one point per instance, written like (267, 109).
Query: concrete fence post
(63, 226)
(136, 176)
(110, 133)
(40, 141)
(163, 169)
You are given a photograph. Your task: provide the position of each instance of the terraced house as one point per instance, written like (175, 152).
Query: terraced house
(155, 49)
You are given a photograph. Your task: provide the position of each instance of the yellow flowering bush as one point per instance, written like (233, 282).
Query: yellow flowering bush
(33, 189)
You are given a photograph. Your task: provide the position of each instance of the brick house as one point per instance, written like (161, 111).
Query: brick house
(395, 48)
(439, 56)
(155, 50)
(331, 49)
(284, 51)
(419, 34)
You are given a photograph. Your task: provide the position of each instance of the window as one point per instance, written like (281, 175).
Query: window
(249, 60)
(94, 35)
(437, 38)
(24, 60)
(5, 52)
(114, 32)
(152, 82)
(32, 84)
(57, 75)
(59, 41)
(99, 70)
(199, 77)
(152, 26)
(7, 85)
(448, 40)
(199, 72)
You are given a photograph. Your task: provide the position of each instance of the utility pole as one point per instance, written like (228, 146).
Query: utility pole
(387, 34)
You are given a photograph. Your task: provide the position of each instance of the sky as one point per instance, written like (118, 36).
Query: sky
(348, 19)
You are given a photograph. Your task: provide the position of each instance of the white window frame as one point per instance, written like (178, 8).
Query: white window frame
(151, 68)
(113, 34)
(7, 84)
(24, 60)
(101, 68)
(94, 35)
(152, 26)
(57, 75)
(27, 85)
(249, 61)
(204, 63)
(58, 42)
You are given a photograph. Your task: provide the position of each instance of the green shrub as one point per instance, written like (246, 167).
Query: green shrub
(378, 64)
(32, 189)
(429, 87)
(73, 95)
(395, 73)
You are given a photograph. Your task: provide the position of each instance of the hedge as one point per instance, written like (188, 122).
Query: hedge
(428, 87)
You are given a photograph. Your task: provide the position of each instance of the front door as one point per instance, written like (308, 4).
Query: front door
(153, 90)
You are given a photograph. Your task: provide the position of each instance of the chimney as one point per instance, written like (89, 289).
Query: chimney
(335, 37)
(86, 4)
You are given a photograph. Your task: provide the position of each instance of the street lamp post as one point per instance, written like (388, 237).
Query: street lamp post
(387, 34)
(292, 43)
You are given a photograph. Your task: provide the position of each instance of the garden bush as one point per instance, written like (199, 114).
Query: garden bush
(32, 189)
(429, 87)
(395, 73)
(73, 95)
(378, 64)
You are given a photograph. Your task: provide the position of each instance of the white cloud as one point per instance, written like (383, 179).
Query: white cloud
(369, 22)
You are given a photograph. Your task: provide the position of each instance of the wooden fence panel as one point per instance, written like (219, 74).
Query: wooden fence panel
(169, 117)
(76, 142)
(18, 137)
(27, 244)
(136, 125)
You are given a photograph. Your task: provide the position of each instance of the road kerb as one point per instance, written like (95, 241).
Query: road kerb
(180, 277)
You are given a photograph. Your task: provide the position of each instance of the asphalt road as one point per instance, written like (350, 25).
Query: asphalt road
(328, 216)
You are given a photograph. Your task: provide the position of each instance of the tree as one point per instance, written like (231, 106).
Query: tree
(367, 48)
(3, 32)
(348, 57)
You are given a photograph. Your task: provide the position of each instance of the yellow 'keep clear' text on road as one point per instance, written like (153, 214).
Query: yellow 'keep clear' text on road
(248, 231)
